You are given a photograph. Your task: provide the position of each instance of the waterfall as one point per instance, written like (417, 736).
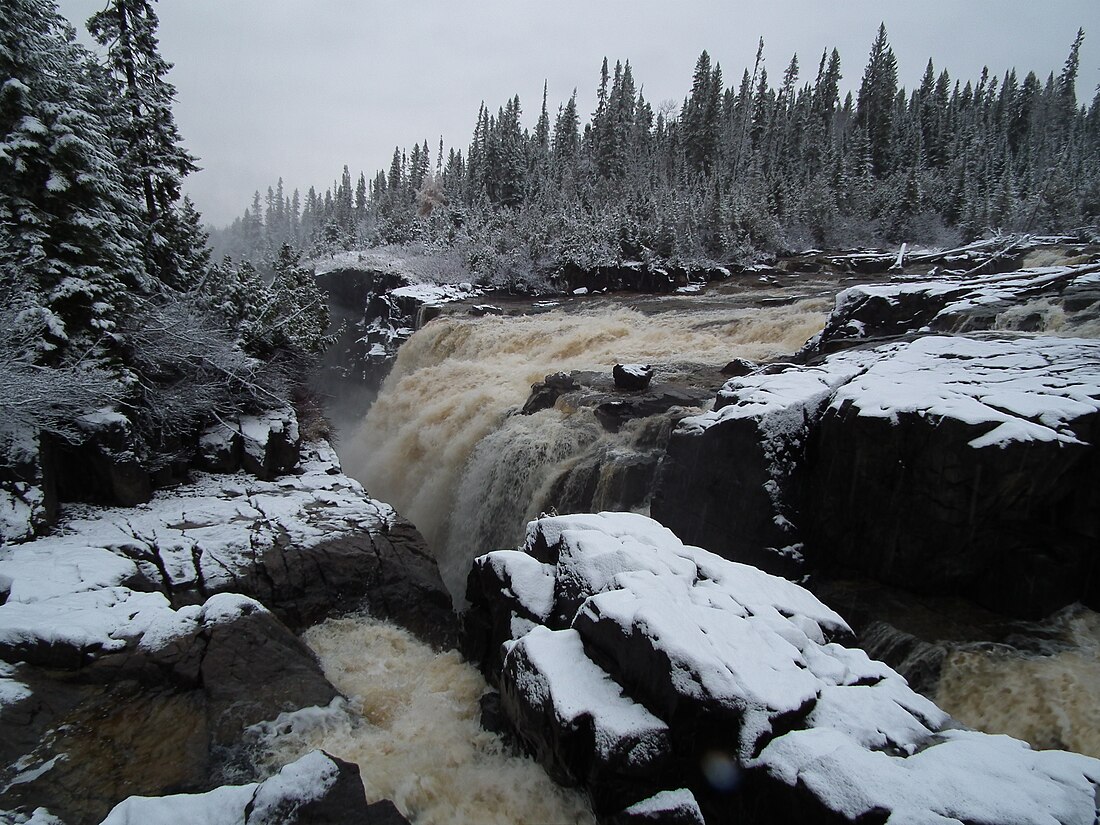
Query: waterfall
(423, 446)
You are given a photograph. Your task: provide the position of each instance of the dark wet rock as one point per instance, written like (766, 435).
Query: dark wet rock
(271, 443)
(954, 465)
(978, 486)
(738, 367)
(491, 715)
(317, 789)
(107, 466)
(546, 393)
(220, 449)
(369, 326)
(331, 794)
(614, 411)
(253, 669)
(578, 722)
(632, 377)
(735, 488)
(161, 715)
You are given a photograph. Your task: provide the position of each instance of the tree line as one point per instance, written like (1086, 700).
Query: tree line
(733, 170)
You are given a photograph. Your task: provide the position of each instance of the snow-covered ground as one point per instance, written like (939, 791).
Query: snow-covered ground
(99, 582)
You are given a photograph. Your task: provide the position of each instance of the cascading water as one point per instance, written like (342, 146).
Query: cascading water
(411, 724)
(1049, 697)
(439, 446)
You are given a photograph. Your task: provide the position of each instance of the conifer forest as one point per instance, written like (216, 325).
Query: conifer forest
(762, 164)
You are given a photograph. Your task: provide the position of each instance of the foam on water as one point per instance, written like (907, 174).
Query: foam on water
(1051, 700)
(411, 724)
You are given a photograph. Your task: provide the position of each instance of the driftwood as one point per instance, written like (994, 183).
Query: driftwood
(975, 257)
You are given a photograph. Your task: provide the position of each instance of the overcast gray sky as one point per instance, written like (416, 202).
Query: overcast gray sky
(298, 88)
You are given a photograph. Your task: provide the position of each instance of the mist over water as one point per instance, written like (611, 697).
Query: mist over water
(456, 380)
(411, 724)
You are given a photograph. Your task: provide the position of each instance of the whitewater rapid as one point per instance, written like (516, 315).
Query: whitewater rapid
(411, 723)
(1049, 697)
(436, 443)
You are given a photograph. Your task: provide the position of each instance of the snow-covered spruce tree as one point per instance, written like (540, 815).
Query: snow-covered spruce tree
(289, 319)
(151, 153)
(875, 106)
(69, 252)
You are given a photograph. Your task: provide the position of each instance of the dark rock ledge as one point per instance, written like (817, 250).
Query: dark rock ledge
(679, 687)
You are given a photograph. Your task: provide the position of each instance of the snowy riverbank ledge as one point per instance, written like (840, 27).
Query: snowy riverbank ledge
(644, 669)
(939, 436)
(136, 644)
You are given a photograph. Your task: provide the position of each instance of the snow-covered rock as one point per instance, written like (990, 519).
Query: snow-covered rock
(957, 463)
(317, 788)
(632, 377)
(1058, 300)
(144, 627)
(302, 545)
(171, 691)
(28, 498)
(271, 443)
(716, 677)
(676, 807)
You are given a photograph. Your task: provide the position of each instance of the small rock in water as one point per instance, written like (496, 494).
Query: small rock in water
(738, 367)
(545, 394)
(633, 377)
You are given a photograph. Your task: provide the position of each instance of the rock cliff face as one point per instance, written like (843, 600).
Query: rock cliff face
(136, 644)
(953, 464)
(375, 307)
(677, 686)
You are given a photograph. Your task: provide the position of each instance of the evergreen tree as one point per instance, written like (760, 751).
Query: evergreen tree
(69, 259)
(875, 105)
(151, 152)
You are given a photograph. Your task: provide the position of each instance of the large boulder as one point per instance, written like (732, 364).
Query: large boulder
(271, 443)
(632, 377)
(731, 479)
(948, 464)
(967, 466)
(660, 676)
(106, 465)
